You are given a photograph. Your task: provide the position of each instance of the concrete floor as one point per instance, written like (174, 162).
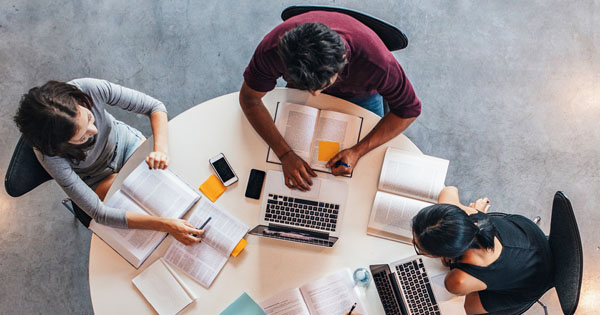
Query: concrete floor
(510, 93)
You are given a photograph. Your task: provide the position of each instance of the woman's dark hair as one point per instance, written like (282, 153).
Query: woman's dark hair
(46, 118)
(312, 53)
(445, 230)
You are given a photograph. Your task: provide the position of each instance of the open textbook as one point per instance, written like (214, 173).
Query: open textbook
(408, 183)
(203, 261)
(154, 192)
(307, 130)
(163, 289)
(332, 295)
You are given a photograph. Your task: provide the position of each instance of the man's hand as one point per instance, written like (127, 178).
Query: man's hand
(297, 173)
(349, 157)
(157, 160)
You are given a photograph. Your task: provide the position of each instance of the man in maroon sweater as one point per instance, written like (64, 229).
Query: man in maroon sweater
(335, 54)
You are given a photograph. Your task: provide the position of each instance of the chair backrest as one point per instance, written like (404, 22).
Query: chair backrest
(567, 252)
(24, 172)
(390, 35)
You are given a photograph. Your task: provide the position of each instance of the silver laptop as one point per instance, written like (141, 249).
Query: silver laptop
(313, 217)
(413, 286)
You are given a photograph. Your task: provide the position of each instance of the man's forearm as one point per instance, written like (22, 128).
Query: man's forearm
(386, 129)
(260, 119)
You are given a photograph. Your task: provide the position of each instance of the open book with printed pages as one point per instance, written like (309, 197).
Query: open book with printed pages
(154, 192)
(332, 295)
(203, 261)
(408, 183)
(315, 135)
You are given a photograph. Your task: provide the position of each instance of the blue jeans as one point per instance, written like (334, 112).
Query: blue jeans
(372, 103)
(128, 139)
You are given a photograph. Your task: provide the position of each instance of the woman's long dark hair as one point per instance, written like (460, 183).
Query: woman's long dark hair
(445, 230)
(46, 118)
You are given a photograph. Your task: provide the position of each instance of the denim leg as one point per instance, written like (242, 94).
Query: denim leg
(372, 103)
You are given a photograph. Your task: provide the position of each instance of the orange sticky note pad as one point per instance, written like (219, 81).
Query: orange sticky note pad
(212, 188)
(327, 150)
(239, 247)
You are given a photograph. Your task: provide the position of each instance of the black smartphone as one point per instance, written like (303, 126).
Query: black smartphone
(255, 183)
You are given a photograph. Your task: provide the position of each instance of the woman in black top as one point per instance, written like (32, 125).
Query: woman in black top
(496, 262)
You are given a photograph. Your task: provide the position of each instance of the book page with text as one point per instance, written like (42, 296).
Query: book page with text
(161, 192)
(332, 295)
(413, 175)
(223, 232)
(391, 216)
(199, 261)
(296, 123)
(335, 127)
(204, 261)
(133, 244)
(289, 302)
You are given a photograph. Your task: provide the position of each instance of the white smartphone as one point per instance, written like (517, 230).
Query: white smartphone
(223, 169)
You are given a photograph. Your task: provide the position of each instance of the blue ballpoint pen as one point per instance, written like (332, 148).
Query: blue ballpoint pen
(203, 225)
(340, 163)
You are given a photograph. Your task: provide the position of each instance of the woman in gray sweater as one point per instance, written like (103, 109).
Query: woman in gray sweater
(83, 147)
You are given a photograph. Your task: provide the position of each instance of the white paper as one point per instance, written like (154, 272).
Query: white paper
(160, 191)
(335, 127)
(199, 261)
(162, 289)
(413, 175)
(133, 244)
(204, 261)
(296, 123)
(288, 302)
(393, 214)
(332, 295)
(223, 232)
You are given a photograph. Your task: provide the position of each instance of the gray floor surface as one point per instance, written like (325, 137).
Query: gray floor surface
(510, 93)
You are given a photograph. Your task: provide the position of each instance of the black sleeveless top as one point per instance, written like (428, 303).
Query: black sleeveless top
(524, 267)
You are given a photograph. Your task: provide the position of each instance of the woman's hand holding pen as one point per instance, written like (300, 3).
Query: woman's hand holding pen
(184, 232)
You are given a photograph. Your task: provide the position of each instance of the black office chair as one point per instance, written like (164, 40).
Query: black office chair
(25, 173)
(567, 254)
(391, 36)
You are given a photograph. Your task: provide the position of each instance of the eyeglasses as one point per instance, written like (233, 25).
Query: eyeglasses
(417, 250)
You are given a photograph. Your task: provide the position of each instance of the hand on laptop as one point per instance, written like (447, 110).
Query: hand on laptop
(343, 162)
(297, 173)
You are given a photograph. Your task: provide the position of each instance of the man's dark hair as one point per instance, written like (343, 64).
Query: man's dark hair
(445, 230)
(312, 54)
(46, 118)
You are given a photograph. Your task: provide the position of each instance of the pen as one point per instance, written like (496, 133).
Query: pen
(202, 226)
(352, 309)
(340, 163)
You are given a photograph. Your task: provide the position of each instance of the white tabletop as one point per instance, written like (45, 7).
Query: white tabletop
(266, 266)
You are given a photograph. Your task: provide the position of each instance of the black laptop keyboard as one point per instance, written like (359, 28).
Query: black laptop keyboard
(386, 293)
(417, 288)
(302, 212)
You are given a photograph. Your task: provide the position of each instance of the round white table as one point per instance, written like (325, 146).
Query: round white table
(266, 266)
